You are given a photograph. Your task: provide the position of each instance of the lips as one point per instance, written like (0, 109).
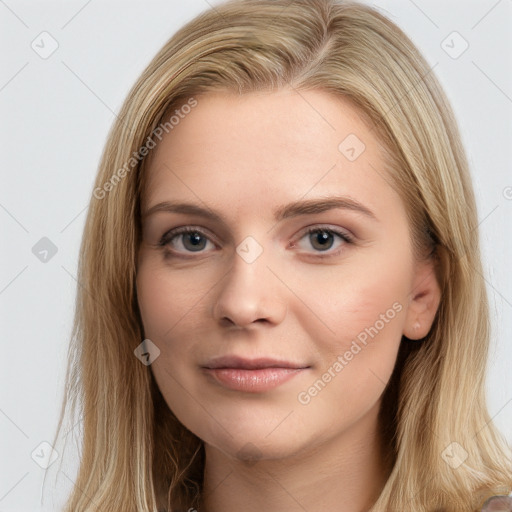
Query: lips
(236, 362)
(251, 375)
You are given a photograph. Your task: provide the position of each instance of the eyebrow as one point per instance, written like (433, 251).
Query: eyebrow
(295, 209)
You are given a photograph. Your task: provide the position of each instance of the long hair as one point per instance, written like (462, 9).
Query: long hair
(135, 455)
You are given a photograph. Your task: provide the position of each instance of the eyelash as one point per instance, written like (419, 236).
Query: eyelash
(167, 237)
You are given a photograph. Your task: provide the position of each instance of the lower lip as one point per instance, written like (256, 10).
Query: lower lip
(253, 381)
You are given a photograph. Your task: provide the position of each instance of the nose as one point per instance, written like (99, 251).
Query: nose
(250, 293)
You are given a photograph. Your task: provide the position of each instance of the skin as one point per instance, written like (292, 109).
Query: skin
(244, 156)
(498, 504)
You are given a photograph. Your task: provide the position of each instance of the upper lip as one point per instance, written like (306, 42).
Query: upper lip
(250, 364)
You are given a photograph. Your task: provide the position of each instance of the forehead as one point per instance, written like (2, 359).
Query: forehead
(259, 148)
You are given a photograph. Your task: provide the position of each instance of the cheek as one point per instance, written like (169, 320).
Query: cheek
(369, 315)
(167, 298)
(169, 307)
(364, 300)
(356, 362)
(173, 305)
(356, 345)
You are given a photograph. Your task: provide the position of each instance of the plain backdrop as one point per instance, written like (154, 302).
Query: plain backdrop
(56, 110)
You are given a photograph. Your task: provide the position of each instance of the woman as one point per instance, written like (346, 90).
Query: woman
(281, 305)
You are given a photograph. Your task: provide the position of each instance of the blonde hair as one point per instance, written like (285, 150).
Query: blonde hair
(135, 454)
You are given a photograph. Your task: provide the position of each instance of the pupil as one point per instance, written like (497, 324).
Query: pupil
(322, 237)
(195, 239)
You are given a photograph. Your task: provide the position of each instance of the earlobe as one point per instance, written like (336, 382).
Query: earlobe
(424, 302)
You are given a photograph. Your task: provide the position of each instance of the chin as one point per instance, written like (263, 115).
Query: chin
(251, 441)
(251, 449)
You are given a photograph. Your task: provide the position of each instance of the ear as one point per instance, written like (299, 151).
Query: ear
(424, 300)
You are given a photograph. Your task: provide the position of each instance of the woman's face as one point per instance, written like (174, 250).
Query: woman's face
(268, 334)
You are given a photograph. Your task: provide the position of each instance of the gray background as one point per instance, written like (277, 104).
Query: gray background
(56, 112)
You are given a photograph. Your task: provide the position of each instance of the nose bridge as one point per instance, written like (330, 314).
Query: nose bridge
(250, 291)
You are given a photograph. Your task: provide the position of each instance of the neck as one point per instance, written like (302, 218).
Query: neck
(345, 473)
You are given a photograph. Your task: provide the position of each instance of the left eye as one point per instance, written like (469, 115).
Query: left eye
(322, 239)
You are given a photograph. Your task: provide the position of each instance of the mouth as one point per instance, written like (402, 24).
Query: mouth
(252, 375)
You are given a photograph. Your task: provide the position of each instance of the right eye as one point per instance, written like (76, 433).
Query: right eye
(185, 239)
